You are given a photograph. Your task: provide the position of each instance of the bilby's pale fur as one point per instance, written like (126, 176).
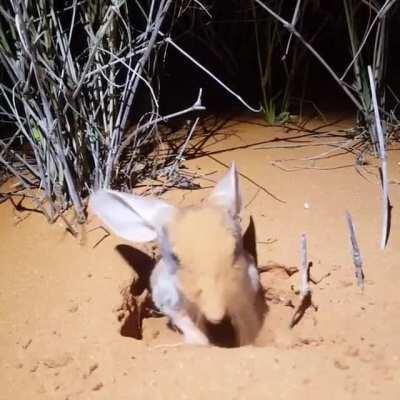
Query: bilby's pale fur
(204, 272)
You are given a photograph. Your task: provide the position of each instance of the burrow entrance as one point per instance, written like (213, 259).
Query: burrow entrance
(140, 319)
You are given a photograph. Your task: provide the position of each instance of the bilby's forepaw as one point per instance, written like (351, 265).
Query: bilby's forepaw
(197, 338)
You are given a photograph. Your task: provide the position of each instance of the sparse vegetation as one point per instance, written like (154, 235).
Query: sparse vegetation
(82, 83)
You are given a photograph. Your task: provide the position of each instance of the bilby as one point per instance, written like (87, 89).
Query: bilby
(204, 274)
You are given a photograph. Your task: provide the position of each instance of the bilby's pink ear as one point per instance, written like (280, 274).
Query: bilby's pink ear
(131, 217)
(227, 193)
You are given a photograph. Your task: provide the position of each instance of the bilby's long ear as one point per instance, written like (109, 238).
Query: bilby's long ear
(131, 217)
(227, 193)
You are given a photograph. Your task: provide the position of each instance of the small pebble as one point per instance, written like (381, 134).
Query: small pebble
(60, 361)
(73, 308)
(97, 386)
(340, 365)
(92, 368)
(34, 367)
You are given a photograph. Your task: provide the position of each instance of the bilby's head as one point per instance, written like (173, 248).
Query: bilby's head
(202, 245)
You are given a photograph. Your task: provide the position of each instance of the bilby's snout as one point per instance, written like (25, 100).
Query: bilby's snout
(213, 310)
(215, 319)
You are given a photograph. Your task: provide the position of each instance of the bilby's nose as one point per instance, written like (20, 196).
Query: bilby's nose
(214, 313)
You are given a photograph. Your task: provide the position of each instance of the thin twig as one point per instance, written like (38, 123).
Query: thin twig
(287, 25)
(383, 159)
(355, 251)
(305, 291)
(304, 268)
(187, 55)
(294, 21)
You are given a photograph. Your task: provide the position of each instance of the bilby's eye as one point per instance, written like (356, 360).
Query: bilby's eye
(174, 258)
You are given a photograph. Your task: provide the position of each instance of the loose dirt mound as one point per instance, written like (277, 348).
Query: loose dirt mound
(72, 314)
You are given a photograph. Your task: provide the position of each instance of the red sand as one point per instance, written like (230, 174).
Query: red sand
(59, 329)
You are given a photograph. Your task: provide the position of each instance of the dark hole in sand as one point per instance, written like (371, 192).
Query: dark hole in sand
(222, 334)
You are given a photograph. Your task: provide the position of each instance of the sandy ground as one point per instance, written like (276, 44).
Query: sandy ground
(61, 299)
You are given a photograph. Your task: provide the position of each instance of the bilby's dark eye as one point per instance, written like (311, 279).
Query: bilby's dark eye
(174, 258)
